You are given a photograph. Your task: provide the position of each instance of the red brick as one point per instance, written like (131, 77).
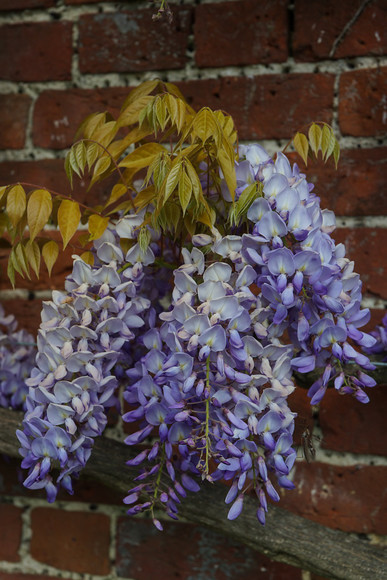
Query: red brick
(366, 246)
(48, 56)
(13, 120)
(317, 29)
(58, 114)
(184, 550)
(356, 187)
(50, 173)
(299, 403)
(75, 541)
(268, 106)
(10, 532)
(352, 499)
(363, 430)
(11, 5)
(363, 102)
(86, 1)
(241, 33)
(143, 44)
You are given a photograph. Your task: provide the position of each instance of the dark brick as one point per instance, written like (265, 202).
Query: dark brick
(184, 550)
(50, 174)
(10, 532)
(356, 187)
(365, 246)
(351, 499)
(364, 426)
(241, 33)
(11, 5)
(14, 110)
(318, 29)
(22, 576)
(26, 312)
(268, 106)
(75, 541)
(143, 44)
(48, 56)
(363, 102)
(58, 114)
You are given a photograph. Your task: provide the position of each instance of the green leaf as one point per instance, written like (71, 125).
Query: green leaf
(97, 225)
(301, 145)
(50, 253)
(39, 210)
(315, 135)
(33, 256)
(16, 204)
(69, 215)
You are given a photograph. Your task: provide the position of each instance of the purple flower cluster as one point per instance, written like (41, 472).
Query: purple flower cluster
(380, 335)
(307, 286)
(80, 343)
(17, 358)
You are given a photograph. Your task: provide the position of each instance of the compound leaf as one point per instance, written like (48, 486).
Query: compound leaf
(39, 209)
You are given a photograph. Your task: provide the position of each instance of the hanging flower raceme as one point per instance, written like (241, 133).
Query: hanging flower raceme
(80, 343)
(17, 358)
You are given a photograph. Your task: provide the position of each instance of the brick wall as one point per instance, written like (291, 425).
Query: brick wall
(275, 66)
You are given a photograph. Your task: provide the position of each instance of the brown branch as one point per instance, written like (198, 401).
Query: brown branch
(286, 537)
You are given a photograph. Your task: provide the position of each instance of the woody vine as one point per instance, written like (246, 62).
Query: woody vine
(207, 279)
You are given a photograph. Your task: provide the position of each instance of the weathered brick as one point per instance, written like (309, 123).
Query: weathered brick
(58, 114)
(356, 187)
(364, 426)
(13, 120)
(48, 56)
(22, 576)
(184, 550)
(10, 532)
(366, 246)
(50, 174)
(299, 403)
(320, 31)
(11, 5)
(143, 44)
(75, 541)
(241, 33)
(268, 106)
(352, 499)
(363, 102)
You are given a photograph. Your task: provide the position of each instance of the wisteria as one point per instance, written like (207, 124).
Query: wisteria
(217, 341)
(17, 358)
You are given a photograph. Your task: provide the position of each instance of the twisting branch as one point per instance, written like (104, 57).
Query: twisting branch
(286, 537)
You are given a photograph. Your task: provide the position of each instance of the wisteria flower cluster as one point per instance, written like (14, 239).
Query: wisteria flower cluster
(208, 377)
(81, 342)
(17, 358)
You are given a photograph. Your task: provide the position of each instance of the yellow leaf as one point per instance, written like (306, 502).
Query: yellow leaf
(144, 197)
(171, 181)
(205, 126)
(105, 133)
(118, 147)
(90, 124)
(117, 192)
(39, 209)
(16, 204)
(336, 153)
(97, 225)
(301, 145)
(50, 253)
(227, 166)
(328, 141)
(20, 259)
(11, 272)
(33, 256)
(161, 112)
(69, 216)
(100, 168)
(141, 91)
(93, 150)
(194, 178)
(80, 155)
(185, 191)
(88, 258)
(315, 135)
(142, 156)
(3, 189)
(131, 114)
